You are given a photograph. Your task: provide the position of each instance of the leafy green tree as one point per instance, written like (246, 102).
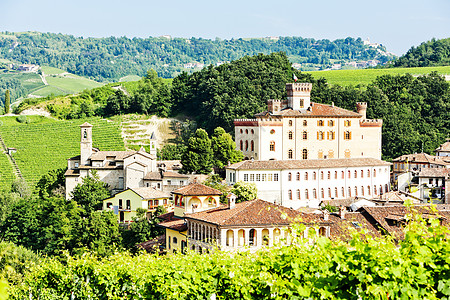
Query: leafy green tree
(224, 148)
(171, 152)
(7, 102)
(52, 184)
(7, 201)
(90, 193)
(198, 155)
(20, 186)
(117, 103)
(244, 191)
(216, 182)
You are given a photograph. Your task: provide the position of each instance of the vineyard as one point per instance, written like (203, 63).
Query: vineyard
(6, 171)
(44, 144)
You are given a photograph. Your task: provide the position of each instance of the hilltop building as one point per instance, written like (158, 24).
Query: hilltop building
(298, 129)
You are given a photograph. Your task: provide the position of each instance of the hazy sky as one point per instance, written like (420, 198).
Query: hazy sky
(397, 24)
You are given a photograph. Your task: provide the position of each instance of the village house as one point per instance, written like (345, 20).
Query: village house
(443, 150)
(298, 129)
(415, 163)
(299, 183)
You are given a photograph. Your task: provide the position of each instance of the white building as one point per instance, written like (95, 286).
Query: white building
(299, 183)
(298, 129)
(444, 149)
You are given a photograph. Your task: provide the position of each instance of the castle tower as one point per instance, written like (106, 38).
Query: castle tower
(299, 95)
(361, 108)
(85, 143)
(153, 144)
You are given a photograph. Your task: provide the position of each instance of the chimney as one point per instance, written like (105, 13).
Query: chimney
(326, 215)
(342, 211)
(231, 200)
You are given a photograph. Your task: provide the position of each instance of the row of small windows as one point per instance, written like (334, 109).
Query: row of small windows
(357, 191)
(246, 131)
(320, 135)
(252, 145)
(334, 174)
(347, 123)
(261, 177)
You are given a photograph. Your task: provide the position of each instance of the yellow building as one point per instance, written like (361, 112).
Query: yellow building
(190, 199)
(127, 202)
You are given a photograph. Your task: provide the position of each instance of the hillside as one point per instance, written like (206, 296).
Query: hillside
(110, 59)
(431, 53)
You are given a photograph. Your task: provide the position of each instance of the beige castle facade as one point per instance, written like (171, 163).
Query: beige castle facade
(298, 129)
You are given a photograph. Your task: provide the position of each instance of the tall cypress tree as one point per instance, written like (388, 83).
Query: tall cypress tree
(7, 102)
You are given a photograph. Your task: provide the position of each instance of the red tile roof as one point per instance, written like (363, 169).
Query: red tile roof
(177, 225)
(197, 189)
(150, 193)
(316, 110)
(421, 158)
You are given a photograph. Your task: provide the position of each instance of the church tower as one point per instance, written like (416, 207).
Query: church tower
(299, 95)
(85, 143)
(153, 144)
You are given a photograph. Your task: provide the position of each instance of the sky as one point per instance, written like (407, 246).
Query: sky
(396, 24)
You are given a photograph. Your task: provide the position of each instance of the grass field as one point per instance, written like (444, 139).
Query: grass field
(366, 76)
(45, 144)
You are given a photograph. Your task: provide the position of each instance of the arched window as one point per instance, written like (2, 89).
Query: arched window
(306, 194)
(320, 135)
(175, 240)
(386, 188)
(375, 190)
(290, 154)
(362, 191)
(272, 146)
(314, 176)
(252, 237)
(253, 132)
(343, 192)
(305, 123)
(305, 135)
(368, 173)
(349, 175)
(252, 146)
(356, 191)
(298, 194)
(347, 135)
(330, 135)
(349, 191)
(290, 135)
(290, 122)
(298, 176)
(374, 173)
(246, 145)
(335, 175)
(321, 175)
(314, 194)
(336, 192)
(362, 173)
(322, 193)
(306, 175)
(329, 192)
(289, 176)
(241, 131)
(342, 174)
(356, 174)
(241, 144)
(368, 190)
(347, 123)
(290, 194)
(305, 154)
(246, 131)
(330, 123)
(329, 175)
(320, 123)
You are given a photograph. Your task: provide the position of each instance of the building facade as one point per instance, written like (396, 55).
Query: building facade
(300, 183)
(299, 129)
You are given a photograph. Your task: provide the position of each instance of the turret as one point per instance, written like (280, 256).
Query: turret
(361, 108)
(299, 95)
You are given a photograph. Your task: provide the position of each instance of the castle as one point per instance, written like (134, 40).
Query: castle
(298, 129)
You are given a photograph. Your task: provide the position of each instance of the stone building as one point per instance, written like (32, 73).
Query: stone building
(298, 129)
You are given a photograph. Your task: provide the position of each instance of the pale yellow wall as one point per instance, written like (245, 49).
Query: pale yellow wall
(136, 201)
(201, 201)
(170, 234)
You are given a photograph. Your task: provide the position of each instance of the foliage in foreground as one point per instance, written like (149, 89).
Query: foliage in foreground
(363, 268)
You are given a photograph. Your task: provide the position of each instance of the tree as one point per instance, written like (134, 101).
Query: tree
(216, 182)
(224, 148)
(198, 155)
(244, 191)
(7, 102)
(90, 193)
(171, 152)
(52, 184)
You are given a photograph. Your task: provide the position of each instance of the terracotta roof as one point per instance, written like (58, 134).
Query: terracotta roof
(156, 175)
(197, 189)
(316, 110)
(341, 202)
(254, 212)
(434, 172)
(178, 225)
(307, 164)
(78, 157)
(72, 172)
(170, 164)
(118, 155)
(150, 193)
(167, 216)
(86, 124)
(143, 153)
(444, 147)
(340, 228)
(420, 158)
(174, 175)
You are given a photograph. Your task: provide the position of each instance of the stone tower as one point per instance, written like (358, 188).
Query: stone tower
(85, 143)
(361, 108)
(299, 95)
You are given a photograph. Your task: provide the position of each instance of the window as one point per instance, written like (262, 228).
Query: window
(329, 175)
(245, 177)
(77, 165)
(305, 154)
(305, 135)
(253, 132)
(335, 175)
(347, 135)
(175, 240)
(275, 177)
(342, 174)
(368, 190)
(320, 135)
(306, 175)
(246, 131)
(321, 175)
(329, 192)
(362, 191)
(356, 174)
(349, 191)
(290, 122)
(314, 176)
(305, 123)
(252, 177)
(246, 145)
(349, 175)
(298, 176)
(330, 135)
(314, 194)
(356, 191)
(336, 192)
(306, 194)
(156, 203)
(298, 194)
(289, 176)
(320, 154)
(330, 123)
(252, 146)
(347, 153)
(347, 123)
(263, 177)
(272, 146)
(150, 203)
(330, 154)
(128, 204)
(241, 145)
(290, 154)
(322, 193)
(269, 177)
(290, 194)
(362, 173)
(374, 173)
(320, 123)
(343, 192)
(272, 131)
(241, 131)
(258, 177)
(290, 135)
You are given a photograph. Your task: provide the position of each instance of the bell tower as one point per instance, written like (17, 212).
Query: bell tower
(153, 144)
(85, 143)
(299, 95)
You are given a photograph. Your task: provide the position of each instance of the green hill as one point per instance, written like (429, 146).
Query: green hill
(45, 144)
(431, 53)
(366, 76)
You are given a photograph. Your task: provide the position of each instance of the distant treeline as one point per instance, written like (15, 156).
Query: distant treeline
(430, 54)
(109, 59)
(415, 110)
